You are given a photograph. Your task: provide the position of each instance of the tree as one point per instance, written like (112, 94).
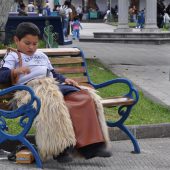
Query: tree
(5, 6)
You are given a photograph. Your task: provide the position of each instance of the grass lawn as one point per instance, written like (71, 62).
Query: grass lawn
(145, 112)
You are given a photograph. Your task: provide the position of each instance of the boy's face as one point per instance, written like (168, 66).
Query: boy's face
(28, 44)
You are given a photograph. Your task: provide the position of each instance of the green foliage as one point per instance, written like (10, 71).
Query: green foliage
(132, 24)
(2, 46)
(41, 44)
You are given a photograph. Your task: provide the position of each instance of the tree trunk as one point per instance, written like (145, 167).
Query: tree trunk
(5, 6)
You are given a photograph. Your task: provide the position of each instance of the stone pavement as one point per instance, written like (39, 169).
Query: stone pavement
(155, 155)
(148, 67)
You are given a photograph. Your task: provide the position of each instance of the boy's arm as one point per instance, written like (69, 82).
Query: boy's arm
(8, 75)
(5, 75)
(62, 79)
(59, 77)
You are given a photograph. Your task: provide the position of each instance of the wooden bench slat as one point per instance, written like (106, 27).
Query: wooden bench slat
(71, 60)
(86, 84)
(52, 51)
(116, 101)
(70, 70)
(60, 51)
(82, 79)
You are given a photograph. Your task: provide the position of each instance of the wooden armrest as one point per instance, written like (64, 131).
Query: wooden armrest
(116, 101)
(60, 51)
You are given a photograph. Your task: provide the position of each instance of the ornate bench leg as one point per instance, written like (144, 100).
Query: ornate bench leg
(34, 152)
(2, 139)
(132, 138)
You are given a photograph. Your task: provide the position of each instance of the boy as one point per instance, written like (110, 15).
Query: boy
(54, 127)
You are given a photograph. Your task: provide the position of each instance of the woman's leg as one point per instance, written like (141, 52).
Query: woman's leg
(65, 27)
(89, 136)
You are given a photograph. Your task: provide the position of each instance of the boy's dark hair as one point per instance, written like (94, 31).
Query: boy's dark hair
(26, 28)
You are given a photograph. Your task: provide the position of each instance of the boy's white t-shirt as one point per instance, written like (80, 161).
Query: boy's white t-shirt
(38, 64)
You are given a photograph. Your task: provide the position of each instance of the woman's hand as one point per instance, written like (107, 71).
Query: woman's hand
(71, 82)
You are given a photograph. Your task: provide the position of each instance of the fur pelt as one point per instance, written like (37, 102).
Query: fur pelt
(54, 130)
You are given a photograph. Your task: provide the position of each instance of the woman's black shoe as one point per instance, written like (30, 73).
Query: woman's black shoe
(65, 156)
(95, 150)
(103, 152)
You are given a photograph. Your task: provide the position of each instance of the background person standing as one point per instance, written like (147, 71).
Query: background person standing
(79, 12)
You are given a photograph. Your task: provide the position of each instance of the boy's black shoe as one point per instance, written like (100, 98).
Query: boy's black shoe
(65, 156)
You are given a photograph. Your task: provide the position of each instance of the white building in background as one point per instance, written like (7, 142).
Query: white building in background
(102, 5)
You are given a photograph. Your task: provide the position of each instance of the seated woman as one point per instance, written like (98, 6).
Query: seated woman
(69, 117)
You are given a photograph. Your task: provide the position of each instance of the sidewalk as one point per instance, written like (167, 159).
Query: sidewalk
(155, 155)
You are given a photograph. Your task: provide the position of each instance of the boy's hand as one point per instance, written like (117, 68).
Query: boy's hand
(22, 70)
(71, 82)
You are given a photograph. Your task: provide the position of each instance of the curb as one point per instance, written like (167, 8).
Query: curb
(139, 131)
(142, 131)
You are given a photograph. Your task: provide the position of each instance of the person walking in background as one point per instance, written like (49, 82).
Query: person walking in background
(14, 7)
(79, 12)
(166, 20)
(31, 7)
(106, 17)
(46, 10)
(140, 19)
(76, 25)
(133, 13)
(21, 10)
(66, 14)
